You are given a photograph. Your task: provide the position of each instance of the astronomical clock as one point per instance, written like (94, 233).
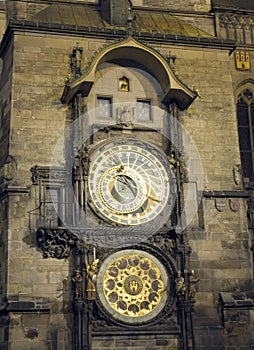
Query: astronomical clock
(131, 196)
(117, 190)
(130, 264)
(130, 182)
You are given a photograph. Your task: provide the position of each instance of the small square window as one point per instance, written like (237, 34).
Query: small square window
(104, 107)
(144, 110)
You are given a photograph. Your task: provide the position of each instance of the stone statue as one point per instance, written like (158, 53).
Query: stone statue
(126, 116)
(237, 174)
(180, 284)
(172, 160)
(178, 163)
(91, 271)
(77, 280)
(192, 282)
(85, 159)
(182, 166)
(124, 84)
(76, 165)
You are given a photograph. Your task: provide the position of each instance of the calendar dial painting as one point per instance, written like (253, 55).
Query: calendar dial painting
(133, 286)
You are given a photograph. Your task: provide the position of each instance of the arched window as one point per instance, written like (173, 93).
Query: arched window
(245, 117)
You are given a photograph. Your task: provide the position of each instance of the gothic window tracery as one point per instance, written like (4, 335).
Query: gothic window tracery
(245, 118)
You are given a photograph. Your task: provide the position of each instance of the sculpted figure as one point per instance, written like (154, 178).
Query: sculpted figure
(180, 284)
(78, 284)
(91, 271)
(192, 283)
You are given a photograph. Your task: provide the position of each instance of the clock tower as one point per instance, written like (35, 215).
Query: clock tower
(126, 180)
(126, 221)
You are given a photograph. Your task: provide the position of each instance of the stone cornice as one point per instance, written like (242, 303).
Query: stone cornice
(11, 190)
(227, 194)
(111, 34)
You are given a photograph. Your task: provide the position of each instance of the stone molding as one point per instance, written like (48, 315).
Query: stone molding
(18, 303)
(237, 27)
(47, 174)
(237, 21)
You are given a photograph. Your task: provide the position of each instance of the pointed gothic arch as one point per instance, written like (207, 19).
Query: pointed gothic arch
(245, 122)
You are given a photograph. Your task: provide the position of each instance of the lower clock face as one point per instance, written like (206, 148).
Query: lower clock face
(129, 181)
(133, 286)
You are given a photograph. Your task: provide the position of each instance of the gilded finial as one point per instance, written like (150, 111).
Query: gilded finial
(197, 92)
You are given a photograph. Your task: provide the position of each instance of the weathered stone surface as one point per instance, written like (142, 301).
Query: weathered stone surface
(34, 69)
(136, 342)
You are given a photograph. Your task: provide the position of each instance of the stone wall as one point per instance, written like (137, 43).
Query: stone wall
(39, 290)
(2, 21)
(135, 342)
(37, 120)
(236, 314)
(5, 98)
(190, 5)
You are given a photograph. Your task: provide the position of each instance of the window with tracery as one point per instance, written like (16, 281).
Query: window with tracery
(245, 117)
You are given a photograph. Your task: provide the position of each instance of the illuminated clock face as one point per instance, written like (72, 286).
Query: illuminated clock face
(129, 181)
(133, 286)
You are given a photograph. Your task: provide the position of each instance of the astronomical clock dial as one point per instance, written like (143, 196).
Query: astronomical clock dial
(129, 181)
(133, 286)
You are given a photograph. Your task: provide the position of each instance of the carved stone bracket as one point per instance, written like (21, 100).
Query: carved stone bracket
(55, 242)
(40, 173)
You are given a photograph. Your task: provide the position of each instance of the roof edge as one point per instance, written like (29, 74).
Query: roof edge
(63, 30)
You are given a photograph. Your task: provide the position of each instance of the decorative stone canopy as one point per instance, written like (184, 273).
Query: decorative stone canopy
(142, 56)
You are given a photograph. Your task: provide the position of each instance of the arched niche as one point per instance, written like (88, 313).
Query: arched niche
(132, 52)
(245, 122)
(243, 85)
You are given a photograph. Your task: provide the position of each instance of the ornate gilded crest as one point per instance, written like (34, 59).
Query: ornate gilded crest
(242, 60)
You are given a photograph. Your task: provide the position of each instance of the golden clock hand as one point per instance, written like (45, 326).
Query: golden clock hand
(153, 198)
(120, 168)
(126, 181)
(129, 185)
